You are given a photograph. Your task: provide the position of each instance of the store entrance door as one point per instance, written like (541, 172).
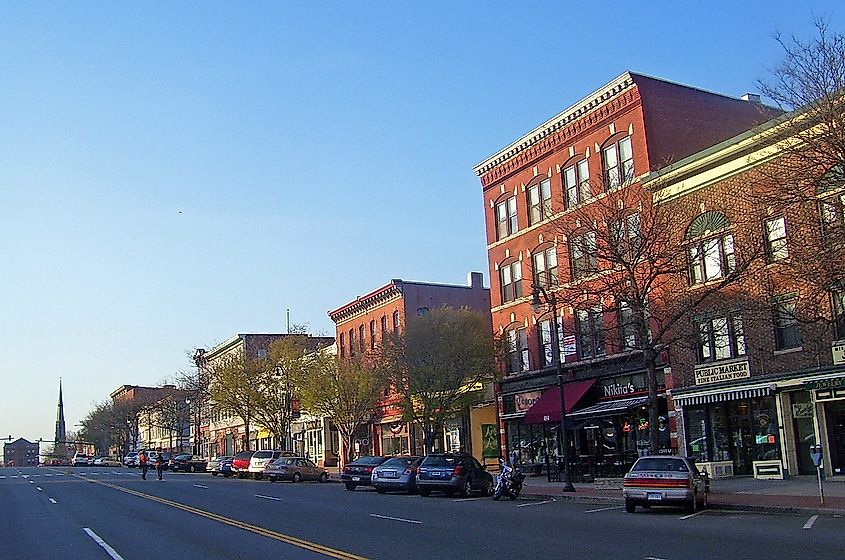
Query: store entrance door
(835, 417)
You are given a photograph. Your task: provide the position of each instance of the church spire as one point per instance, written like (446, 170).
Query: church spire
(60, 448)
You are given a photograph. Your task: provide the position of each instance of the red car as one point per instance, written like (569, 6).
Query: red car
(240, 464)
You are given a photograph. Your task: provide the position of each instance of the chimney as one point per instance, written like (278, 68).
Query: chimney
(751, 97)
(475, 280)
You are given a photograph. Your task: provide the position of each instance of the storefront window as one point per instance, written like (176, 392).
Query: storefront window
(697, 433)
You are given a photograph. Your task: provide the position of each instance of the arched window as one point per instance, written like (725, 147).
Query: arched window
(383, 327)
(361, 338)
(372, 334)
(618, 161)
(711, 248)
(342, 346)
(506, 219)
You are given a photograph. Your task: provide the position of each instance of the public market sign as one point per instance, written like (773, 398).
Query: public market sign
(723, 372)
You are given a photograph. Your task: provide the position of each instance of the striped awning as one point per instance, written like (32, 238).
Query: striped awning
(721, 395)
(610, 407)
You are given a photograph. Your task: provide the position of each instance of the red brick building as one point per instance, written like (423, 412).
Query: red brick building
(608, 140)
(21, 453)
(764, 379)
(362, 324)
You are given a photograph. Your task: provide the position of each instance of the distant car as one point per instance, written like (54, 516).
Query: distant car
(665, 480)
(131, 459)
(213, 465)
(260, 459)
(398, 473)
(240, 464)
(360, 471)
(59, 462)
(188, 463)
(225, 467)
(453, 472)
(294, 469)
(80, 460)
(106, 462)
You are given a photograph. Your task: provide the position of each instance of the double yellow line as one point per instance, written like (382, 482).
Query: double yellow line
(307, 545)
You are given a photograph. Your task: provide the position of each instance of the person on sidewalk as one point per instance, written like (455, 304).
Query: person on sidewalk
(142, 460)
(159, 464)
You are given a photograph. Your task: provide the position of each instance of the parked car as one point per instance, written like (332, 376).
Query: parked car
(295, 469)
(453, 472)
(80, 460)
(187, 463)
(360, 471)
(240, 464)
(260, 459)
(106, 462)
(225, 467)
(213, 465)
(398, 473)
(59, 462)
(131, 459)
(665, 480)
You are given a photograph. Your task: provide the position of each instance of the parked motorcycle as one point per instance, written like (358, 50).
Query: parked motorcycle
(508, 482)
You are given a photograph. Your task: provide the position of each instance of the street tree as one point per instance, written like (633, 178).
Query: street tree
(232, 387)
(342, 390)
(439, 365)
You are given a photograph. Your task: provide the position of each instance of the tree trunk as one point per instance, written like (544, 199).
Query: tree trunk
(349, 446)
(651, 375)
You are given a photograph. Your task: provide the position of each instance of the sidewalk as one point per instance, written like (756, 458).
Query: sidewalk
(798, 494)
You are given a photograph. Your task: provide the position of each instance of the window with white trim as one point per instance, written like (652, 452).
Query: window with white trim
(618, 159)
(518, 359)
(625, 236)
(627, 327)
(506, 219)
(787, 330)
(511, 279)
(837, 296)
(576, 183)
(546, 346)
(545, 267)
(776, 248)
(710, 250)
(720, 338)
(590, 325)
(582, 253)
(539, 201)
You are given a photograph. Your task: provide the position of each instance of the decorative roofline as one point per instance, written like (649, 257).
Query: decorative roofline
(363, 303)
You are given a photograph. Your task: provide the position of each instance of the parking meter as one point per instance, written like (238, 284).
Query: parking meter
(816, 455)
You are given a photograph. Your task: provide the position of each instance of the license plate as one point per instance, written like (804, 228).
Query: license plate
(389, 474)
(436, 473)
(356, 479)
(655, 496)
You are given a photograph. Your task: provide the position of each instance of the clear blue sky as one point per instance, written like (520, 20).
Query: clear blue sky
(170, 176)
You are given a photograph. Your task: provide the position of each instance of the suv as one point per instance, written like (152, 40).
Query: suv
(260, 459)
(80, 460)
(453, 472)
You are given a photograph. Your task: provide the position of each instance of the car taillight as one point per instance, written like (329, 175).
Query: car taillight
(368, 469)
(347, 470)
(459, 470)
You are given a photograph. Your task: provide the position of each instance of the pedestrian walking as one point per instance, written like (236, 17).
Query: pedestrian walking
(159, 464)
(142, 460)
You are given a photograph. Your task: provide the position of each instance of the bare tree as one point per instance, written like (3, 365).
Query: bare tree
(232, 387)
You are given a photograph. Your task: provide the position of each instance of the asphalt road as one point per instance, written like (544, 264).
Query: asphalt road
(91, 513)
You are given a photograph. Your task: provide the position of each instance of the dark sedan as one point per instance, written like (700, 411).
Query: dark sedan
(360, 471)
(453, 472)
(188, 463)
(398, 473)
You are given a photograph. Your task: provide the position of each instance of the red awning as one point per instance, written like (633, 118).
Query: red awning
(547, 407)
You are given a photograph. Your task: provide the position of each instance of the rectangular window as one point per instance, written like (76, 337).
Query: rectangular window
(618, 163)
(582, 250)
(511, 276)
(545, 267)
(720, 338)
(625, 236)
(590, 332)
(539, 202)
(506, 220)
(351, 342)
(838, 300)
(627, 327)
(342, 346)
(776, 248)
(576, 183)
(518, 351)
(832, 214)
(383, 328)
(361, 338)
(711, 259)
(787, 332)
(546, 343)
(395, 322)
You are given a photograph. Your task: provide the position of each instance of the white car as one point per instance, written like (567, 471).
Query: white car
(261, 458)
(106, 462)
(80, 460)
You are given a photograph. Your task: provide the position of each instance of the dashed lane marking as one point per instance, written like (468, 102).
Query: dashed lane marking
(602, 509)
(467, 499)
(537, 503)
(809, 523)
(414, 521)
(38, 488)
(201, 486)
(111, 552)
(52, 501)
(268, 497)
(692, 515)
(293, 541)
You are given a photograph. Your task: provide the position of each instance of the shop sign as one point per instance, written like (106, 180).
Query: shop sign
(802, 410)
(723, 372)
(838, 351)
(524, 401)
(619, 389)
(835, 383)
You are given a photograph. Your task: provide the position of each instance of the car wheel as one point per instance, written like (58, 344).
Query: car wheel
(271, 478)
(350, 486)
(297, 477)
(630, 506)
(226, 475)
(488, 490)
(692, 506)
(466, 490)
(324, 477)
(381, 490)
(213, 473)
(425, 492)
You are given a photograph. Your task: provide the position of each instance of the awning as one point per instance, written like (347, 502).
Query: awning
(610, 407)
(263, 434)
(721, 395)
(547, 407)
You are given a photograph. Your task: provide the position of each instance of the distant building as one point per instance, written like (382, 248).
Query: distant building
(21, 453)
(59, 441)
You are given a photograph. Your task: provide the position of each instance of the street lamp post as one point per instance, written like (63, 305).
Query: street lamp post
(550, 299)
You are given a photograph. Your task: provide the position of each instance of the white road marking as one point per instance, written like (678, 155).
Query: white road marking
(396, 519)
(201, 486)
(38, 488)
(602, 509)
(268, 497)
(52, 501)
(809, 523)
(13, 476)
(31, 482)
(2, 477)
(692, 515)
(112, 552)
(467, 499)
(653, 558)
(537, 503)
(48, 475)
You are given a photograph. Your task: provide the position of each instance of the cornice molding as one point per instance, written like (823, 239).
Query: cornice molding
(367, 303)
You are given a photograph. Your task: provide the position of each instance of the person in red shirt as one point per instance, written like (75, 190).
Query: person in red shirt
(142, 460)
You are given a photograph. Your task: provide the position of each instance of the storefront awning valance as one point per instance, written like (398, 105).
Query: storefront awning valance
(723, 395)
(547, 407)
(262, 434)
(610, 407)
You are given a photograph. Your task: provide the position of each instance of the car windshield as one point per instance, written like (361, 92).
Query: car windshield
(660, 464)
(183, 457)
(262, 455)
(284, 461)
(244, 455)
